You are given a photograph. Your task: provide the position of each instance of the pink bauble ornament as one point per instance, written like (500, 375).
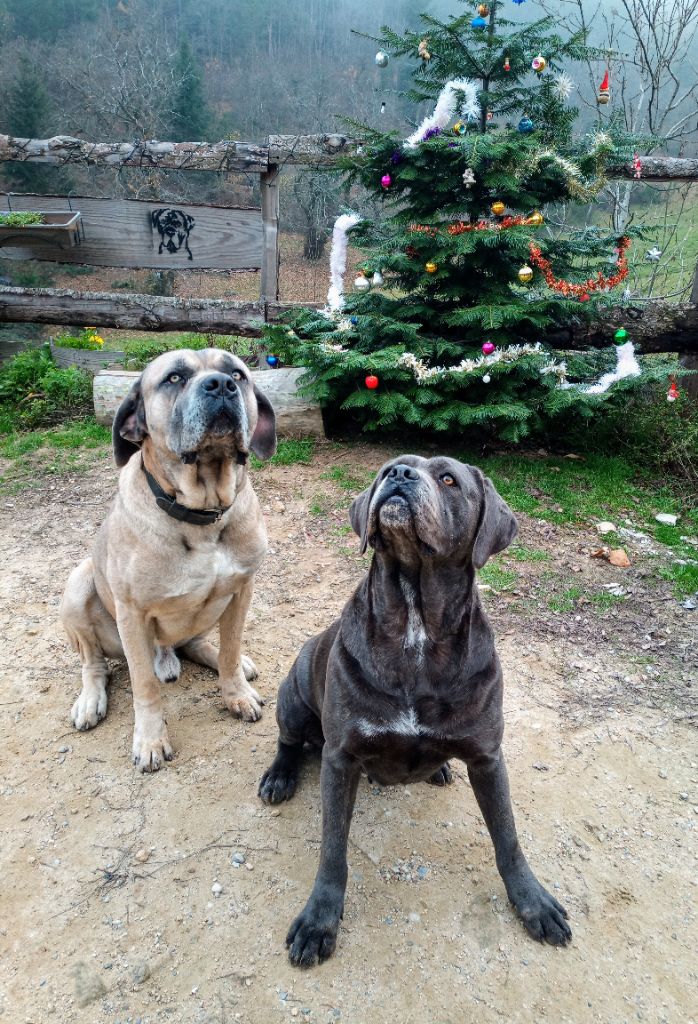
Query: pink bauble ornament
(386, 181)
(488, 348)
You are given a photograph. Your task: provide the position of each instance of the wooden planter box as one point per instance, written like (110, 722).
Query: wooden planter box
(64, 228)
(91, 360)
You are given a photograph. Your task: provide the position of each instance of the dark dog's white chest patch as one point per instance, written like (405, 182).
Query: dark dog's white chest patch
(415, 632)
(405, 723)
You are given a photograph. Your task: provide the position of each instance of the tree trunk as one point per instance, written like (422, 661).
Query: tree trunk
(314, 244)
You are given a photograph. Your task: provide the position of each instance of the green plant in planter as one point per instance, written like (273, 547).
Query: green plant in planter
(20, 220)
(86, 339)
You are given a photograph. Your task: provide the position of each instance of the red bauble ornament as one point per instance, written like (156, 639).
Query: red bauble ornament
(386, 181)
(584, 297)
(372, 382)
(488, 348)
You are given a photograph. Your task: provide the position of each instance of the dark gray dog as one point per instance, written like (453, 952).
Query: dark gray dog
(406, 678)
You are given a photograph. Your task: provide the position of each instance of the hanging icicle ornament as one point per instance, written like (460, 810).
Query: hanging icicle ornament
(604, 94)
(525, 274)
(377, 279)
(581, 291)
(673, 392)
(507, 65)
(563, 86)
(468, 177)
(371, 382)
(525, 125)
(539, 64)
(478, 22)
(361, 282)
(423, 50)
(446, 107)
(488, 348)
(382, 59)
(338, 259)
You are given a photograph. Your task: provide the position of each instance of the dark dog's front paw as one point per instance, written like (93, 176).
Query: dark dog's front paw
(313, 935)
(278, 784)
(442, 777)
(544, 918)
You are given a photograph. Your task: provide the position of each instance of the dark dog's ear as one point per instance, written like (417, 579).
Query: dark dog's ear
(155, 217)
(498, 526)
(129, 429)
(358, 516)
(263, 442)
(188, 221)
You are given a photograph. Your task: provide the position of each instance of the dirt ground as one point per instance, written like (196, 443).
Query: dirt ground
(107, 875)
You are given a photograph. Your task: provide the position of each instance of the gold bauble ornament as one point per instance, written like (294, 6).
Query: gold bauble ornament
(539, 64)
(483, 10)
(430, 267)
(525, 274)
(460, 128)
(498, 208)
(536, 219)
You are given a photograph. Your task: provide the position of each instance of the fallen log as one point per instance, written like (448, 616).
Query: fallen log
(296, 415)
(654, 326)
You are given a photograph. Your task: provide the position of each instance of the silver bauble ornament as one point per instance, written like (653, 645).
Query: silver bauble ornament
(362, 283)
(377, 279)
(382, 59)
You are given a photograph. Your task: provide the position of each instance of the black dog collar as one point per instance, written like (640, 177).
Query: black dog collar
(195, 516)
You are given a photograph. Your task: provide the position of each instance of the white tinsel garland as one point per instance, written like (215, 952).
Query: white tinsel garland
(446, 106)
(338, 259)
(626, 366)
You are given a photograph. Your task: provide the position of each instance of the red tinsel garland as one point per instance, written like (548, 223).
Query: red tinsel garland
(592, 285)
(461, 227)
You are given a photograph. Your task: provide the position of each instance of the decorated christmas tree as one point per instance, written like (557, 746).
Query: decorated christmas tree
(461, 280)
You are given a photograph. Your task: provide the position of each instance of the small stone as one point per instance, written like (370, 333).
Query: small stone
(216, 888)
(294, 1011)
(413, 917)
(605, 527)
(422, 871)
(662, 773)
(140, 972)
(666, 518)
(141, 855)
(683, 796)
(64, 750)
(88, 985)
(239, 858)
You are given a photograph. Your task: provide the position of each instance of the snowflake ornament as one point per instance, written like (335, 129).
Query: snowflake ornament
(652, 255)
(563, 86)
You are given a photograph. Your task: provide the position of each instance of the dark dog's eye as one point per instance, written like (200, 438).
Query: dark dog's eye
(236, 375)
(174, 378)
(448, 480)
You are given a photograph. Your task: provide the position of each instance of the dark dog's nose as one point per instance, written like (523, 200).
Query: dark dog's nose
(402, 472)
(219, 385)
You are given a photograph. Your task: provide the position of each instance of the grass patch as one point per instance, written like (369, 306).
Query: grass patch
(289, 452)
(684, 576)
(497, 577)
(604, 600)
(567, 601)
(521, 553)
(348, 480)
(35, 455)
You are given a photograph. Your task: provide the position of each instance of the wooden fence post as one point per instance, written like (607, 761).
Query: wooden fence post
(270, 222)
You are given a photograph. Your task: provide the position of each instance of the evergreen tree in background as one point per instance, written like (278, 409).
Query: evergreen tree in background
(450, 340)
(190, 117)
(27, 114)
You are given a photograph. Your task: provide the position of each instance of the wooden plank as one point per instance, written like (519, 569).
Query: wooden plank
(296, 415)
(309, 149)
(130, 233)
(657, 168)
(179, 156)
(130, 311)
(656, 326)
(270, 227)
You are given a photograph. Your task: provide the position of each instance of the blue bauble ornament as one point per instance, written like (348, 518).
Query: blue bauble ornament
(525, 125)
(354, 320)
(273, 361)
(519, 1)
(478, 22)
